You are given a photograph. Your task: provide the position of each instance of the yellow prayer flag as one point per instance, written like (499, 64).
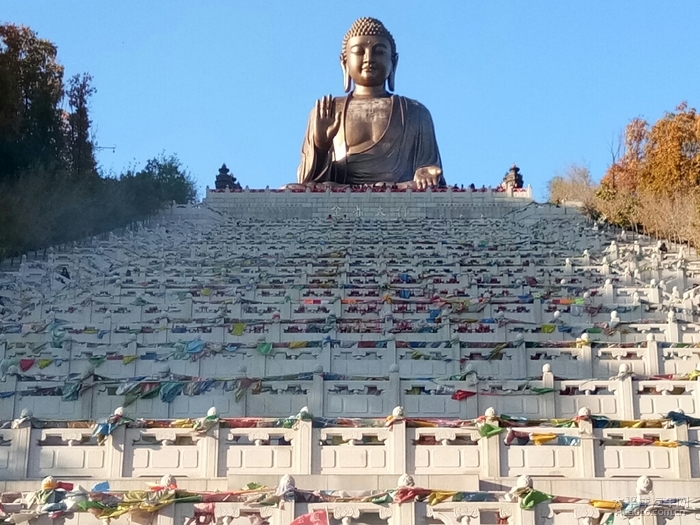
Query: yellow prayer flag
(298, 344)
(640, 423)
(541, 439)
(605, 505)
(439, 496)
(43, 363)
(238, 328)
(667, 444)
(129, 358)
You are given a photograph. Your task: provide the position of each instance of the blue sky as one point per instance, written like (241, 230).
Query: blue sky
(544, 84)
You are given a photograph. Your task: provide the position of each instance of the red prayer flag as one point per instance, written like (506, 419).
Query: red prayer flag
(405, 494)
(26, 364)
(462, 394)
(317, 517)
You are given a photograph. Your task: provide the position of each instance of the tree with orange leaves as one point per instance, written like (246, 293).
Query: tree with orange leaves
(663, 158)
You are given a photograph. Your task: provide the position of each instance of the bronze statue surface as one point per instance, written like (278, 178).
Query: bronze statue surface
(370, 136)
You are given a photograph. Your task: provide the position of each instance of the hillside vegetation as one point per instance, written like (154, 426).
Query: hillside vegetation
(51, 189)
(652, 185)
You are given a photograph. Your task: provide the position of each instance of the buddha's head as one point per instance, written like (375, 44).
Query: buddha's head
(369, 56)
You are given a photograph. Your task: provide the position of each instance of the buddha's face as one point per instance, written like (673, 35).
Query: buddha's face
(369, 60)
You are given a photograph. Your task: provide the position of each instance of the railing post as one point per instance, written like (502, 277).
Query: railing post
(303, 448)
(117, 444)
(397, 448)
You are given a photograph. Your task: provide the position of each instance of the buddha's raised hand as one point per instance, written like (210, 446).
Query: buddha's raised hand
(326, 123)
(427, 176)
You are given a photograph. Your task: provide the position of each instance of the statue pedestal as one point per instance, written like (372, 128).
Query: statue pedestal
(367, 203)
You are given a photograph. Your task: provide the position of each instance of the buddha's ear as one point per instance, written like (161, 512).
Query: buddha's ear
(392, 75)
(347, 82)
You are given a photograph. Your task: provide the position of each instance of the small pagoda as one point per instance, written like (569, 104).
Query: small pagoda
(513, 179)
(225, 180)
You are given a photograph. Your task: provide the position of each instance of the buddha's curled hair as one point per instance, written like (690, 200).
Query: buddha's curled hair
(367, 26)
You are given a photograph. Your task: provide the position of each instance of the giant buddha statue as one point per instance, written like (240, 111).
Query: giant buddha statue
(371, 135)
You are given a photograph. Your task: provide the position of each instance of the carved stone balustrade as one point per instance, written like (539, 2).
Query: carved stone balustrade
(226, 450)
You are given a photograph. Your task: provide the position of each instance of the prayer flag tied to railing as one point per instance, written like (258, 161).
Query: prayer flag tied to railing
(317, 517)
(487, 427)
(56, 499)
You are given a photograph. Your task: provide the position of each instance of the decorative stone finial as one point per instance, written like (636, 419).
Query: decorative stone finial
(397, 412)
(546, 368)
(119, 411)
(406, 480)
(393, 368)
(644, 486)
(168, 481)
(318, 369)
(523, 482)
(287, 484)
(305, 414)
(584, 412)
(212, 412)
(490, 413)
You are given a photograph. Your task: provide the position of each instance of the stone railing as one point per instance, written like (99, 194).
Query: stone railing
(226, 449)
(415, 357)
(621, 396)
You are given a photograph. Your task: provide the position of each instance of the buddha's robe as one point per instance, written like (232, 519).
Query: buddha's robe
(407, 144)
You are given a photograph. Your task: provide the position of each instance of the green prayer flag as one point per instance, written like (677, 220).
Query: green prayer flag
(97, 361)
(533, 498)
(382, 499)
(265, 348)
(89, 504)
(496, 352)
(150, 394)
(131, 397)
(486, 430)
(539, 391)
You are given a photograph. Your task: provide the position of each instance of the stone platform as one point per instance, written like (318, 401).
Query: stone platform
(448, 203)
